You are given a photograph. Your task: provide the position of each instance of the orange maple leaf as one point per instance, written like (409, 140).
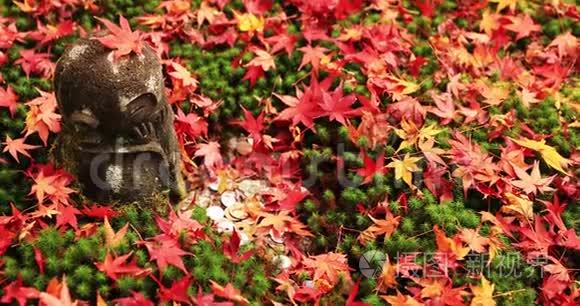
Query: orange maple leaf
(113, 239)
(327, 266)
(15, 146)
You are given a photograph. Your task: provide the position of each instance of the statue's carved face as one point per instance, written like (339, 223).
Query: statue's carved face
(117, 123)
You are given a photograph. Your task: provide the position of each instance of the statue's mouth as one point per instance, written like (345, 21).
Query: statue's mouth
(131, 170)
(153, 147)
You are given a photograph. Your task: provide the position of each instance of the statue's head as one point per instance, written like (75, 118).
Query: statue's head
(117, 124)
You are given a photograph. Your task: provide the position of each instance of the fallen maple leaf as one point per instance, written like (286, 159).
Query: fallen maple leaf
(210, 152)
(228, 292)
(312, 55)
(115, 267)
(8, 99)
(380, 227)
(178, 292)
(533, 182)
(401, 300)
(449, 245)
(64, 298)
(232, 247)
(566, 43)
(327, 266)
(371, 167)
(15, 146)
(113, 239)
(263, 60)
(519, 206)
(350, 301)
(404, 169)
(474, 241)
(522, 26)
(549, 154)
(166, 251)
(15, 291)
(248, 22)
(42, 117)
(501, 4)
(136, 299)
(121, 39)
(483, 295)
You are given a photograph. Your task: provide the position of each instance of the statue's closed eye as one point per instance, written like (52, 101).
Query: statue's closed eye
(84, 119)
(142, 107)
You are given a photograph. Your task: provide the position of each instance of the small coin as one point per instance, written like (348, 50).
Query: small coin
(215, 213)
(236, 213)
(225, 226)
(228, 198)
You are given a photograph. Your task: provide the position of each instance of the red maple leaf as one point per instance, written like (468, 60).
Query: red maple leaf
(533, 182)
(177, 292)
(37, 63)
(345, 8)
(48, 33)
(253, 73)
(191, 124)
(208, 299)
(180, 223)
(437, 184)
(282, 41)
(371, 167)
(121, 39)
(427, 7)
(8, 99)
(305, 106)
(67, 216)
(232, 247)
(252, 125)
(312, 55)
(352, 296)
(15, 291)
(164, 251)
(39, 259)
(136, 299)
(292, 198)
(15, 146)
(52, 185)
(99, 212)
(336, 106)
(116, 267)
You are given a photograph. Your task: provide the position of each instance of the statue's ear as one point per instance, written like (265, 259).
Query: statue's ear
(142, 107)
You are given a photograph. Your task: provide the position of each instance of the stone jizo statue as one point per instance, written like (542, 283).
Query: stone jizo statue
(117, 128)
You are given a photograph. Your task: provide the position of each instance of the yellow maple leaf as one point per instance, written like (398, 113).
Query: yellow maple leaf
(248, 22)
(488, 22)
(402, 86)
(483, 295)
(404, 168)
(411, 134)
(518, 206)
(501, 4)
(549, 154)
